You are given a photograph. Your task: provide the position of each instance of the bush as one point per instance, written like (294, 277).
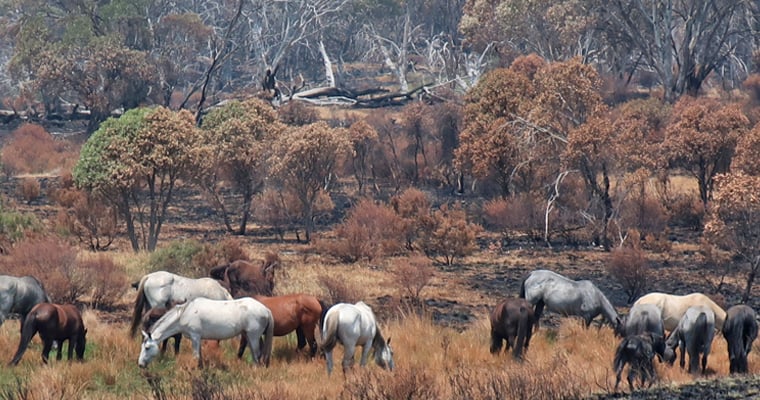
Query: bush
(109, 281)
(15, 226)
(412, 274)
(29, 189)
(630, 267)
(86, 217)
(447, 235)
(179, 258)
(223, 252)
(370, 231)
(687, 211)
(296, 113)
(31, 149)
(413, 206)
(338, 290)
(371, 384)
(522, 213)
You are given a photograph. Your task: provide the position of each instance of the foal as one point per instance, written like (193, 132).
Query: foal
(638, 351)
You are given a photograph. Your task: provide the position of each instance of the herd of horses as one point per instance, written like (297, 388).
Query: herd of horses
(657, 325)
(237, 301)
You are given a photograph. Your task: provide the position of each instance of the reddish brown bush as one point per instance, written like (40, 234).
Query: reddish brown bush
(686, 211)
(86, 217)
(413, 206)
(225, 251)
(54, 262)
(297, 113)
(108, 280)
(630, 267)
(32, 150)
(370, 231)
(338, 290)
(521, 213)
(412, 274)
(643, 213)
(447, 235)
(29, 189)
(282, 211)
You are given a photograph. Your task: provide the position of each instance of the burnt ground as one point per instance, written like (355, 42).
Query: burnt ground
(745, 387)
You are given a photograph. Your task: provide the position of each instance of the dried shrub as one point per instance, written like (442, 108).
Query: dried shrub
(338, 290)
(644, 213)
(686, 211)
(86, 217)
(52, 261)
(413, 206)
(29, 189)
(179, 258)
(109, 281)
(520, 213)
(447, 235)
(370, 384)
(370, 231)
(283, 212)
(630, 267)
(31, 149)
(223, 252)
(412, 275)
(296, 113)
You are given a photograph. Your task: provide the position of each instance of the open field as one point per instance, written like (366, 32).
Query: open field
(440, 352)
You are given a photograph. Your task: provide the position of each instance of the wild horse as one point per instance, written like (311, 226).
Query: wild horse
(19, 294)
(53, 322)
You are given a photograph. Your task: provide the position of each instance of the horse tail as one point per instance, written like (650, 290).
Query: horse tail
(330, 333)
(322, 314)
(141, 302)
(522, 332)
(522, 289)
(268, 341)
(28, 330)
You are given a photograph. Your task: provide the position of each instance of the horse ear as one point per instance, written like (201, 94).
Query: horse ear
(146, 335)
(388, 341)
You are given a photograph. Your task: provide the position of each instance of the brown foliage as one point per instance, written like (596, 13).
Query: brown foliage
(446, 235)
(520, 213)
(87, 217)
(412, 205)
(296, 113)
(31, 149)
(748, 152)
(412, 275)
(370, 231)
(374, 384)
(107, 279)
(29, 189)
(339, 290)
(225, 251)
(630, 267)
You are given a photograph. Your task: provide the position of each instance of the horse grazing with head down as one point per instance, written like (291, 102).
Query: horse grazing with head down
(354, 325)
(203, 318)
(163, 288)
(673, 307)
(245, 278)
(567, 297)
(19, 295)
(637, 351)
(740, 330)
(512, 320)
(694, 334)
(151, 317)
(53, 322)
(298, 312)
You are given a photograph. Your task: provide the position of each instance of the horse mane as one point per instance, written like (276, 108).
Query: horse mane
(608, 309)
(379, 341)
(178, 309)
(42, 286)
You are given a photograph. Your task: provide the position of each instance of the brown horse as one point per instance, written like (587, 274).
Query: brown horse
(512, 320)
(294, 312)
(245, 278)
(54, 322)
(151, 317)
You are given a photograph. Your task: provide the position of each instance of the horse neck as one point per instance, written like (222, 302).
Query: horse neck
(167, 326)
(607, 308)
(378, 342)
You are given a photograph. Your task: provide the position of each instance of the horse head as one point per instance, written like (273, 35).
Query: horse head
(149, 350)
(384, 355)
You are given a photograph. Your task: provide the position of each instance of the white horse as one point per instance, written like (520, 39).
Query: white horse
(352, 325)
(673, 307)
(213, 319)
(693, 334)
(163, 288)
(567, 297)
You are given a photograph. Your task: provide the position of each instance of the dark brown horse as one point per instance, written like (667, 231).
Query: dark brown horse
(740, 330)
(638, 351)
(246, 278)
(151, 317)
(54, 322)
(299, 312)
(512, 320)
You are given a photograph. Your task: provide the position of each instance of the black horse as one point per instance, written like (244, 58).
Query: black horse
(740, 330)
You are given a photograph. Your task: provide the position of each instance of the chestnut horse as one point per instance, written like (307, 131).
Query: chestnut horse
(54, 322)
(299, 312)
(245, 278)
(512, 320)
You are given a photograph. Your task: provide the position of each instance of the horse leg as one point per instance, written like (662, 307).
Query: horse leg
(311, 340)
(243, 344)
(177, 339)
(618, 372)
(329, 359)
(301, 338)
(72, 342)
(47, 345)
(197, 349)
(631, 375)
(255, 345)
(496, 343)
(59, 353)
(682, 348)
(348, 356)
(365, 354)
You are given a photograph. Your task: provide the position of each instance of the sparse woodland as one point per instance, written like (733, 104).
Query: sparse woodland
(421, 156)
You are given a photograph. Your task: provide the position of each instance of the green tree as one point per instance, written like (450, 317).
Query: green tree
(236, 140)
(134, 163)
(304, 160)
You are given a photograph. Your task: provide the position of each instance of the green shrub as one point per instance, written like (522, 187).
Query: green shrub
(179, 258)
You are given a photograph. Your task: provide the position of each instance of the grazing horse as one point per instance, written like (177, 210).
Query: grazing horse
(352, 325)
(245, 278)
(673, 307)
(53, 322)
(644, 318)
(637, 351)
(740, 330)
(163, 288)
(19, 294)
(203, 318)
(150, 318)
(293, 312)
(512, 320)
(694, 334)
(566, 297)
